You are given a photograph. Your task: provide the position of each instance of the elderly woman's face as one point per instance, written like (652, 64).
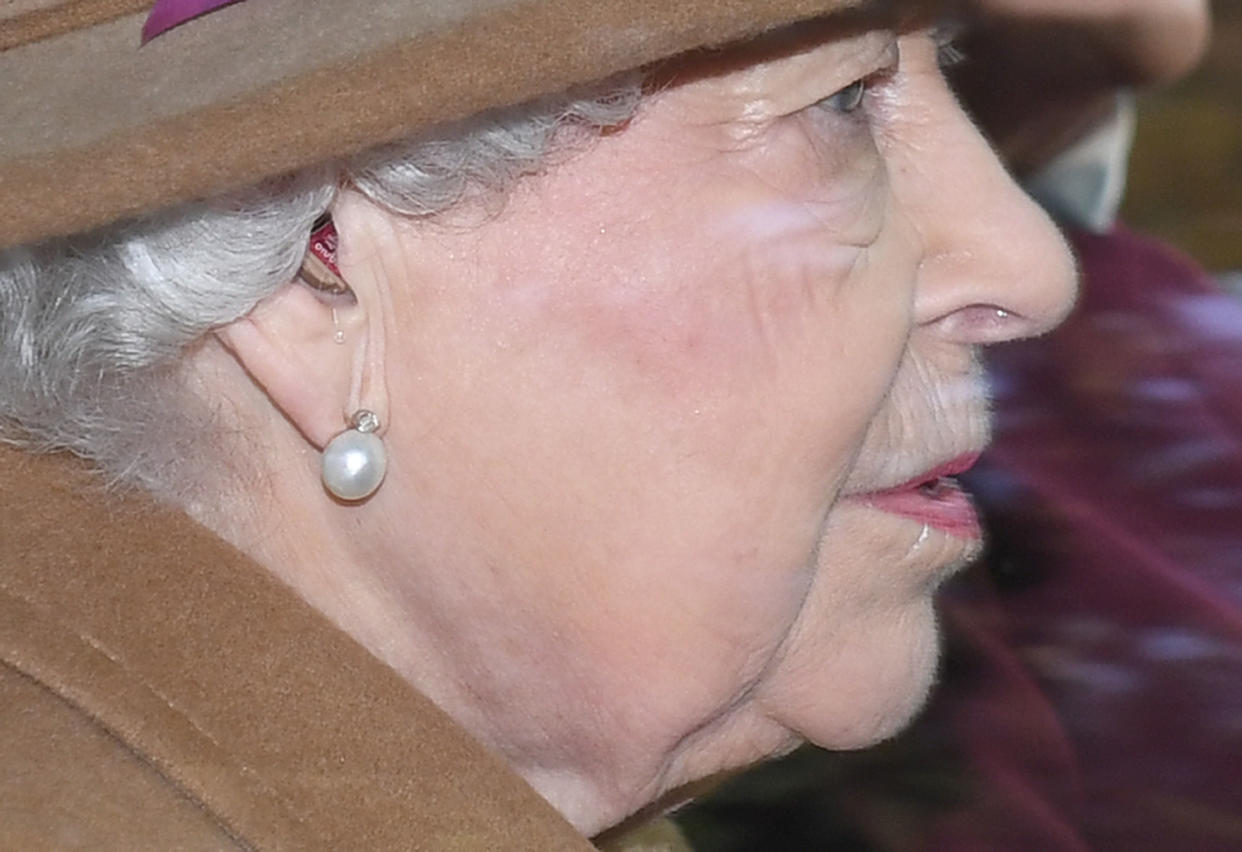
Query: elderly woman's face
(665, 433)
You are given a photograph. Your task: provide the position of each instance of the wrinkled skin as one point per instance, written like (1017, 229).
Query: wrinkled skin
(631, 419)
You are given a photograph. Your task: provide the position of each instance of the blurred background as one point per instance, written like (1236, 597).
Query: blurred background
(1186, 172)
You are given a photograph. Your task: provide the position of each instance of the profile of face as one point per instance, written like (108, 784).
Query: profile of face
(667, 433)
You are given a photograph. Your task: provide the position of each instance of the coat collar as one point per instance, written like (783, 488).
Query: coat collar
(279, 724)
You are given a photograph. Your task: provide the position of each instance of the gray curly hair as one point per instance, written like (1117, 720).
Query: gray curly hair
(92, 328)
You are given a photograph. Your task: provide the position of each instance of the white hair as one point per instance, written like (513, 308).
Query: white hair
(93, 327)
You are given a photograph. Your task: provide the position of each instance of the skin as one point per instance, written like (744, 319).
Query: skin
(630, 418)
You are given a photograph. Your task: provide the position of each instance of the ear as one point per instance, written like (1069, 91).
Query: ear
(287, 345)
(320, 358)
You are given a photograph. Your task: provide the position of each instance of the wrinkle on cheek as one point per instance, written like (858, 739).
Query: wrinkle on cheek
(747, 278)
(840, 183)
(765, 294)
(793, 292)
(760, 297)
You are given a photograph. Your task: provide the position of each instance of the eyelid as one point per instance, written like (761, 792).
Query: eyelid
(824, 72)
(873, 80)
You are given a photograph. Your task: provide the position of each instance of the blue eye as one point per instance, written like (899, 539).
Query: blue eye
(847, 100)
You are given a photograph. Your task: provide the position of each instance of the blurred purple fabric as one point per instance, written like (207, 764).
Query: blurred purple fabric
(1095, 680)
(167, 14)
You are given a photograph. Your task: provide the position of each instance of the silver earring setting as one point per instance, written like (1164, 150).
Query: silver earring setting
(354, 462)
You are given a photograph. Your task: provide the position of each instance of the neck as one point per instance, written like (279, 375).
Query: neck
(445, 647)
(490, 648)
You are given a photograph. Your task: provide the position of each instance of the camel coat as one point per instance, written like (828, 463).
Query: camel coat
(159, 690)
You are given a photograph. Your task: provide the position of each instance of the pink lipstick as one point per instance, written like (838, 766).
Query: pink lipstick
(933, 498)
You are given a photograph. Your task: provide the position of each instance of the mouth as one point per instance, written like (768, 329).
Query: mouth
(933, 498)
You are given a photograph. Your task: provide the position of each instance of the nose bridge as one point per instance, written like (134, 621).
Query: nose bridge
(986, 243)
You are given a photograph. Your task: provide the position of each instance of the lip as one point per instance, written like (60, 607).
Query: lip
(933, 498)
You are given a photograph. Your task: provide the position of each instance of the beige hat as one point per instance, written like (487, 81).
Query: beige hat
(95, 127)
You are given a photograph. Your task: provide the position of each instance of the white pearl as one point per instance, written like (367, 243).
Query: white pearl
(354, 464)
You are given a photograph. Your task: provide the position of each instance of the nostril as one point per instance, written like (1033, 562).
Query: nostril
(985, 323)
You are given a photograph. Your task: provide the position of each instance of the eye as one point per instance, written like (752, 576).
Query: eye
(846, 100)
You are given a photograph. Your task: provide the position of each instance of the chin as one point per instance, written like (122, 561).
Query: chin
(873, 686)
(910, 696)
(902, 696)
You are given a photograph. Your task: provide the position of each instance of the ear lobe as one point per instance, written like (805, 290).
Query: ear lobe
(288, 345)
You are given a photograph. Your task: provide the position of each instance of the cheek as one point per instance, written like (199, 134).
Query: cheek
(733, 333)
(747, 276)
(681, 391)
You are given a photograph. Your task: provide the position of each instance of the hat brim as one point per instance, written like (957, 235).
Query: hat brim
(97, 128)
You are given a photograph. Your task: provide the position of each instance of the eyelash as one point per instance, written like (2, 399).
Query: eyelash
(948, 54)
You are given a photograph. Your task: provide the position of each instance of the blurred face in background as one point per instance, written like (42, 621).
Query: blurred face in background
(1042, 72)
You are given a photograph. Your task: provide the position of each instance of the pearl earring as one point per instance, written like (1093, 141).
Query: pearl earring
(354, 461)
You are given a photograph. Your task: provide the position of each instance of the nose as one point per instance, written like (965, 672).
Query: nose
(994, 265)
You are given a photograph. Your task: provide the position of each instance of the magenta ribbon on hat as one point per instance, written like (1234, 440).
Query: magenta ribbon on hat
(169, 13)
